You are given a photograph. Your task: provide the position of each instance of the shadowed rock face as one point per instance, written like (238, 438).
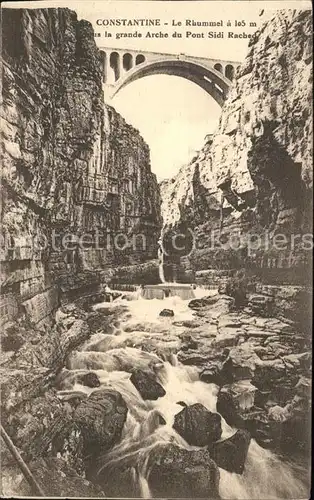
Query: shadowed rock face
(179, 472)
(71, 165)
(147, 385)
(254, 173)
(56, 479)
(231, 453)
(101, 418)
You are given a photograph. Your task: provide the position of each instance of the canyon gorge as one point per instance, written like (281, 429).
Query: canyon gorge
(254, 175)
(106, 394)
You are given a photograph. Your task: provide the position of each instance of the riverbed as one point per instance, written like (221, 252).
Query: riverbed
(144, 339)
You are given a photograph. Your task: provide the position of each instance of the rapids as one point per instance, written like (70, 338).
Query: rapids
(266, 475)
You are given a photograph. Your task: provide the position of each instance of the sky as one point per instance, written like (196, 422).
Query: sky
(172, 114)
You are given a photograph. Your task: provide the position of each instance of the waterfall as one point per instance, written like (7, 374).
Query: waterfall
(161, 261)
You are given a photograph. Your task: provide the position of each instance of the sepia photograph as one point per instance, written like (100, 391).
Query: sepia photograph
(156, 244)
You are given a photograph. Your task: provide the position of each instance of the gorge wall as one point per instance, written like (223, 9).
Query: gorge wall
(254, 174)
(77, 187)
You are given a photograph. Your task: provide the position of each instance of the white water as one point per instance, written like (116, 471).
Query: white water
(113, 356)
(161, 262)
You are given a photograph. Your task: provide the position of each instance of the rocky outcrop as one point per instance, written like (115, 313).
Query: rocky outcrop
(253, 175)
(75, 175)
(55, 478)
(262, 367)
(31, 370)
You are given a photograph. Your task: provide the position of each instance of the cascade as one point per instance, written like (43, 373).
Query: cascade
(166, 289)
(265, 476)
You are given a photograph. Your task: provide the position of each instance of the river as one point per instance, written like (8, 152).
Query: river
(141, 329)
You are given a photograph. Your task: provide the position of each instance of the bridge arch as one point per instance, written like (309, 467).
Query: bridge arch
(218, 67)
(209, 79)
(229, 72)
(139, 59)
(127, 61)
(115, 64)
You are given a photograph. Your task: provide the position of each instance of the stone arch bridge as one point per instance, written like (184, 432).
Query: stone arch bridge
(121, 67)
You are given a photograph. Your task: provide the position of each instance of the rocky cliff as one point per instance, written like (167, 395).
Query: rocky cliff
(77, 188)
(254, 174)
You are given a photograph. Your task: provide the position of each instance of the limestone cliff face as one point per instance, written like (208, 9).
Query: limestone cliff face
(71, 168)
(255, 171)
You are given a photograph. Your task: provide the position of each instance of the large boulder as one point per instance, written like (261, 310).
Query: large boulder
(147, 385)
(231, 453)
(166, 312)
(101, 418)
(240, 363)
(197, 425)
(234, 400)
(120, 480)
(179, 473)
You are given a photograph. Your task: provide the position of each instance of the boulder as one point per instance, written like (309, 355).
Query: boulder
(179, 473)
(211, 375)
(101, 418)
(192, 357)
(119, 481)
(204, 301)
(147, 385)
(89, 379)
(234, 400)
(197, 425)
(268, 373)
(230, 454)
(240, 363)
(166, 312)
